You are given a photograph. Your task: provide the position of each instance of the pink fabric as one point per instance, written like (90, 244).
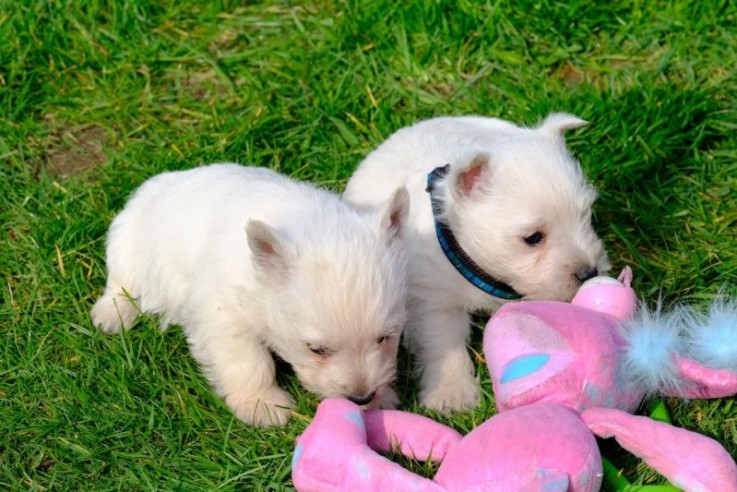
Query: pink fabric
(689, 460)
(517, 448)
(702, 382)
(333, 455)
(618, 300)
(413, 435)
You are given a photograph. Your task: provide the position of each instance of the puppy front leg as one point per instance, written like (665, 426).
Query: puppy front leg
(438, 337)
(115, 309)
(241, 370)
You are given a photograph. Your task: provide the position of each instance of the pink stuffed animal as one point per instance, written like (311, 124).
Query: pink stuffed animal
(562, 374)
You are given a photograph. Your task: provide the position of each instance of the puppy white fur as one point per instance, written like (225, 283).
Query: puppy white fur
(248, 262)
(519, 206)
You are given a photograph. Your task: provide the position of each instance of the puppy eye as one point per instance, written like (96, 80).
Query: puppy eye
(534, 239)
(320, 350)
(382, 339)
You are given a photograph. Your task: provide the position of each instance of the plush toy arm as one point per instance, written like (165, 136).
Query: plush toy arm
(413, 435)
(704, 382)
(689, 460)
(332, 456)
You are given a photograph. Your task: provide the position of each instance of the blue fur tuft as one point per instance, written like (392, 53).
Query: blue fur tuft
(711, 337)
(651, 339)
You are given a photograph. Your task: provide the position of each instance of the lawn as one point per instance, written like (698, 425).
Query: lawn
(96, 96)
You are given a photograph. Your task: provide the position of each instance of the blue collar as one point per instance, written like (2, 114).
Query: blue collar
(453, 251)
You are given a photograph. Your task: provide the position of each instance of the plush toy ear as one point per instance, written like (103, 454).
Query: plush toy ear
(474, 177)
(556, 124)
(707, 363)
(396, 213)
(684, 352)
(269, 255)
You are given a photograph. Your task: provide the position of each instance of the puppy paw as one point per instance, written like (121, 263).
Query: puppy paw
(272, 407)
(111, 315)
(462, 394)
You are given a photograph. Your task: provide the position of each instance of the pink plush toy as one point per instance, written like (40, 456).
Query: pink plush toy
(562, 374)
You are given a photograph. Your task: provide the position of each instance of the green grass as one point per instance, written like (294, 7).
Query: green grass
(97, 96)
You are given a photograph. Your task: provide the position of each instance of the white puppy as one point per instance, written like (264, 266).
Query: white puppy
(510, 218)
(248, 262)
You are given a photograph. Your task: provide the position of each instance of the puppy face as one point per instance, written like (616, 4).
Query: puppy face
(337, 302)
(523, 213)
(349, 334)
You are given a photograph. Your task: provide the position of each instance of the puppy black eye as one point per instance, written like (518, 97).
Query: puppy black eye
(534, 239)
(319, 350)
(382, 339)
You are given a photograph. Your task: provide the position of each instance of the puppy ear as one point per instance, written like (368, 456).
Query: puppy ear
(555, 125)
(268, 254)
(472, 178)
(395, 215)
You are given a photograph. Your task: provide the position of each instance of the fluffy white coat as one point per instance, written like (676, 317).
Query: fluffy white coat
(250, 262)
(520, 207)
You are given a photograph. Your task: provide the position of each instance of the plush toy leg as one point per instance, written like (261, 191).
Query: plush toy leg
(689, 460)
(332, 455)
(413, 435)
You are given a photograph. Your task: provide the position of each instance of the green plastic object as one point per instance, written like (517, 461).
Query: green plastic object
(613, 478)
(616, 482)
(659, 411)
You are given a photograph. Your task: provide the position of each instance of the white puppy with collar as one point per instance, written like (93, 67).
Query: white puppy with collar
(512, 220)
(249, 262)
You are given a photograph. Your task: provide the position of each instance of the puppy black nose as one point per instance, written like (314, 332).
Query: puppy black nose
(586, 272)
(362, 399)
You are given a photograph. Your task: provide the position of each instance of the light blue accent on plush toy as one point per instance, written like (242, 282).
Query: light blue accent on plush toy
(558, 485)
(553, 480)
(524, 366)
(652, 337)
(297, 455)
(364, 470)
(355, 417)
(712, 337)
(602, 398)
(593, 393)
